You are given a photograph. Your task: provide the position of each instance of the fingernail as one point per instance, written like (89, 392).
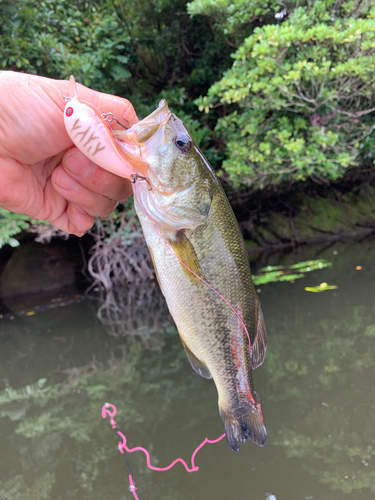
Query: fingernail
(80, 210)
(129, 113)
(76, 163)
(64, 181)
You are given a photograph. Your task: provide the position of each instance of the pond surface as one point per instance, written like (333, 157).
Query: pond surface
(59, 364)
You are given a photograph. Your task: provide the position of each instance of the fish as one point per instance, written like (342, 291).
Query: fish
(196, 246)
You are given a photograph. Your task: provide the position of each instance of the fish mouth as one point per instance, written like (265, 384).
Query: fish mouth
(147, 135)
(144, 130)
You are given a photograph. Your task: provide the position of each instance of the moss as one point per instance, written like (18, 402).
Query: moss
(332, 216)
(326, 215)
(249, 244)
(316, 215)
(278, 224)
(34, 268)
(266, 236)
(364, 201)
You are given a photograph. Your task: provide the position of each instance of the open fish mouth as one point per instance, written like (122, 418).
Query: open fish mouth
(147, 128)
(201, 265)
(149, 134)
(151, 137)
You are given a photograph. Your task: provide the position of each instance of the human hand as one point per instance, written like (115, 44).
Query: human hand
(41, 174)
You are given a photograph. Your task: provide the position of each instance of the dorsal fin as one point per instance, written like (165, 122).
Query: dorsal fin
(259, 346)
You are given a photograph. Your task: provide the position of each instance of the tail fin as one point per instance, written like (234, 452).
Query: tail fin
(244, 422)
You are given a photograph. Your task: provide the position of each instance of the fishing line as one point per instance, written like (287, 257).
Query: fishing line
(111, 410)
(106, 411)
(134, 179)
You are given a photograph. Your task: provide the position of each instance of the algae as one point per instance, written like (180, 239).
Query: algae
(314, 217)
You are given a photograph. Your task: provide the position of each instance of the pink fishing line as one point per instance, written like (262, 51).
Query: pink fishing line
(111, 410)
(132, 487)
(192, 272)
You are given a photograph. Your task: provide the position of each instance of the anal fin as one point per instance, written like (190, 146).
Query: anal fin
(197, 365)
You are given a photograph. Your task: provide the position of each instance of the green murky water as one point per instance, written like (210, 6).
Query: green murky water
(61, 364)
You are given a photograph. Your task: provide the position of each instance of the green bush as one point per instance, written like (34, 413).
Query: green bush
(299, 96)
(10, 225)
(293, 102)
(56, 39)
(144, 51)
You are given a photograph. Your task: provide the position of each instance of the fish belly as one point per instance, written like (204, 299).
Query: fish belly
(214, 339)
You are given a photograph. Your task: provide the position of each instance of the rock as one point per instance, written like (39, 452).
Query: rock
(35, 268)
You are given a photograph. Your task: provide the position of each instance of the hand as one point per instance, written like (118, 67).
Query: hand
(41, 174)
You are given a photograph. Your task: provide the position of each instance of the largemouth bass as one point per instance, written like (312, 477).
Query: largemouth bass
(181, 203)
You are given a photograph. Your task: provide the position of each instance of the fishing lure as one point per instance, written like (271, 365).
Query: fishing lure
(90, 131)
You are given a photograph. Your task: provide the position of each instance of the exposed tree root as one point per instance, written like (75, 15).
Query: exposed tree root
(119, 255)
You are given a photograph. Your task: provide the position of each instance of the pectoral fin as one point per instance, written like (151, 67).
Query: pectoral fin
(197, 365)
(259, 346)
(186, 253)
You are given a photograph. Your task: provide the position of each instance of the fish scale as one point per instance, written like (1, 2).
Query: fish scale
(191, 215)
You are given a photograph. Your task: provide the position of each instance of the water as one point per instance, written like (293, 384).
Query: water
(61, 364)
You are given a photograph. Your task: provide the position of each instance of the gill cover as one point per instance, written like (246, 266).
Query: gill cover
(171, 195)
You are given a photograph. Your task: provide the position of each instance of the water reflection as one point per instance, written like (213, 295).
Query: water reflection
(58, 368)
(139, 310)
(327, 379)
(322, 370)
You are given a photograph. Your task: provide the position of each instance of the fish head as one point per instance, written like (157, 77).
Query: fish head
(162, 142)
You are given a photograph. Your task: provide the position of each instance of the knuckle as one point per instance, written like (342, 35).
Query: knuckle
(110, 209)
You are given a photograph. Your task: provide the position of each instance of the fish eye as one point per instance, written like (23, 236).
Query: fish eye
(183, 143)
(69, 112)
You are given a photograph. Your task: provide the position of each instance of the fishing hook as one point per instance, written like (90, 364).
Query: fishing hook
(135, 177)
(109, 117)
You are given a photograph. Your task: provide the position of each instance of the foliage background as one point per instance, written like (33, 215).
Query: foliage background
(273, 92)
(287, 87)
(302, 85)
